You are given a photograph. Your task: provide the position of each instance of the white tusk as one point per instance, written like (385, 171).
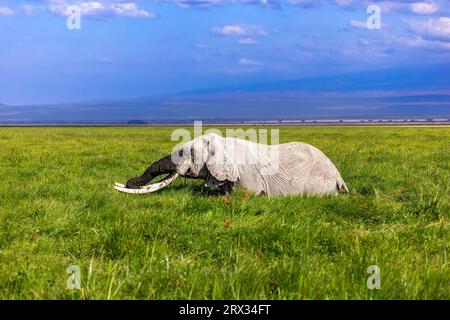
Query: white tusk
(150, 188)
(134, 191)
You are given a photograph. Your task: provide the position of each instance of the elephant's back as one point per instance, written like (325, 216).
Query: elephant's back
(309, 170)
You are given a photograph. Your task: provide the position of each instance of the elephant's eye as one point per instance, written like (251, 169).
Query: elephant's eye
(180, 153)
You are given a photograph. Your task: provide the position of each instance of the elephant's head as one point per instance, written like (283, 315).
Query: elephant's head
(206, 157)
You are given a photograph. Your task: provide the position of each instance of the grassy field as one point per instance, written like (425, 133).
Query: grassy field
(58, 208)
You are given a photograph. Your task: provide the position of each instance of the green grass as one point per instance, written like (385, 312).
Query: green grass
(58, 208)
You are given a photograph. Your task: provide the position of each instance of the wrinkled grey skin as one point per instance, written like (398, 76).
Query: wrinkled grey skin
(275, 170)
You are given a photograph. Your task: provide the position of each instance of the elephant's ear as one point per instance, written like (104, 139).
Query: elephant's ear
(219, 163)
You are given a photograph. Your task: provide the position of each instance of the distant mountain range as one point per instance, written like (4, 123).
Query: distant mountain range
(398, 79)
(401, 92)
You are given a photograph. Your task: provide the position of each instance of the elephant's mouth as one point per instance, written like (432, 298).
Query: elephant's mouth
(149, 188)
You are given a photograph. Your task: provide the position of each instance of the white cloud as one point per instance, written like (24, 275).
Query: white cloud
(358, 24)
(343, 3)
(420, 42)
(215, 3)
(5, 11)
(433, 28)
(399, 42)
(303, 3)
(417, 7)
(196, 3)
(425, 8)
(240, 30)
(230, 30)
(102, 9)
(249, 62)
(130, 8)
(248, 41)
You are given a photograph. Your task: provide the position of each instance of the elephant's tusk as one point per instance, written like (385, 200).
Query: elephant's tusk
(150, 188)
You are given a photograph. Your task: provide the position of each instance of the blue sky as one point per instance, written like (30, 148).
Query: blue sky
(129, 48)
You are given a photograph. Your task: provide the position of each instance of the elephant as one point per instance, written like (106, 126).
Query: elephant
(293, 168)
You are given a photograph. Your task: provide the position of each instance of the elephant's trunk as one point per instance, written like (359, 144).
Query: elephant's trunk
(164, 165)
(160, 167)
